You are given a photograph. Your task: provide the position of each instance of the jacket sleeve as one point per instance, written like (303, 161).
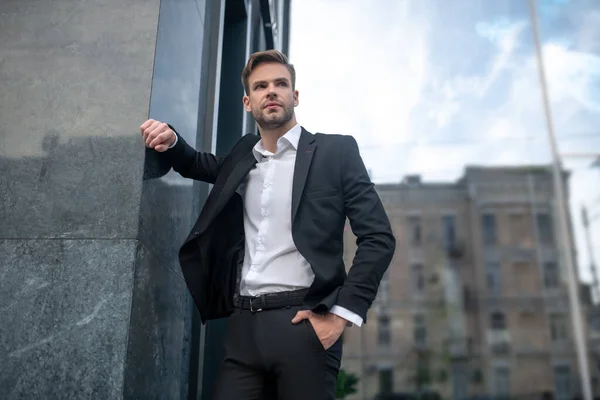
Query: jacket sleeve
(193, 164)
(371, 226)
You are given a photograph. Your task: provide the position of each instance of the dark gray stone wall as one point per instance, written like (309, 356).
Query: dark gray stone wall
(92, 302)
(63, 319)
(75, 80)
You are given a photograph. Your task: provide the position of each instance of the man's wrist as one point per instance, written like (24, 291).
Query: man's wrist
(174, 141)
(340, 320)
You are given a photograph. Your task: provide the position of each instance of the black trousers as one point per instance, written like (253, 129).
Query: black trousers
(267, 358)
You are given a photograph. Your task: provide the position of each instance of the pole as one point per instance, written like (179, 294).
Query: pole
(588, 238)
(576, 316)
(363, 369)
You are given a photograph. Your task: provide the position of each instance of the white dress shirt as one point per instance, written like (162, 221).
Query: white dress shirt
(272, 263)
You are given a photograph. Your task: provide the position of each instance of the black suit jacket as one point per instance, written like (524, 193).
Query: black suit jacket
(330, 184)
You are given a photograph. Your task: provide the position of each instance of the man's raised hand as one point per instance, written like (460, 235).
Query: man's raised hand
(157, 135)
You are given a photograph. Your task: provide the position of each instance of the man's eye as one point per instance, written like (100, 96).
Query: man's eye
(282, 83)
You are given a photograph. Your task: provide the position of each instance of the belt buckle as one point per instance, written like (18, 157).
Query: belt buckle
(252, 307)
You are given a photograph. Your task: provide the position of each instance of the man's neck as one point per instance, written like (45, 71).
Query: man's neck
(271, 136)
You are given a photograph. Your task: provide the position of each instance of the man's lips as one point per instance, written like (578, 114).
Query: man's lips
(272, 105)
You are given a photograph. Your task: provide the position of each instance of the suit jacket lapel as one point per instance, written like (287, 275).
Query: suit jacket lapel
(304, 155)
(223, 193)
(238, 173)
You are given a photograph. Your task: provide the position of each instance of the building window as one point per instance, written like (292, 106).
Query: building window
(488, 226)
(551, 275)
(498, 321)
(562, 380)
(544, 228)
(449, 226)
(414, 230)
(493, 281)
(558, 327)
(595, 323)
(460, 380)
(423, 376)
(418, 278)
(419, 331)
(384, 334)
(501, 382)
(383, 292)
(498, 338)
(386, 380)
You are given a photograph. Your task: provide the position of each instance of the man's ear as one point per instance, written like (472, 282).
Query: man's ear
(246, 101)
(296, 98)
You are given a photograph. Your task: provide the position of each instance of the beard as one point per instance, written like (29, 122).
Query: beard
(273, 120)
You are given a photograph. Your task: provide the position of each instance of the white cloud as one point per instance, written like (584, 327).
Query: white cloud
(438, 162)
(505, 35)
(573, 75)
(349, 82)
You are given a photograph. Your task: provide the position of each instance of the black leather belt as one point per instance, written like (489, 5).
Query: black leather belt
(271, 300)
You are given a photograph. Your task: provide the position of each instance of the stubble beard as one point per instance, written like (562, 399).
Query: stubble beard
(273, 123)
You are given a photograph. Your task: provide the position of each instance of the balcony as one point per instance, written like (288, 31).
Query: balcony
(498, 341)
(562, 347)
(527, 303)
(455, 249)
(404, 352)
(421, 346)
(557, 303)
(549, 251)
(531, 350)
(524, 303)
(514, 253)
(501, 348)
(458, 347)
(381, 308)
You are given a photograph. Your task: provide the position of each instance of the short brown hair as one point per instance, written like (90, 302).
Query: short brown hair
(264, 57)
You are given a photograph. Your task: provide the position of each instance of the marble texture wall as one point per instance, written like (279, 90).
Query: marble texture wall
(63, 319)
(92, 303)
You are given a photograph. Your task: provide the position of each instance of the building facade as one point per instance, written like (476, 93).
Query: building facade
(474, 303)
(92, 301)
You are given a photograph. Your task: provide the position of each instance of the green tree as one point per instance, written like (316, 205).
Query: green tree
(346, 384)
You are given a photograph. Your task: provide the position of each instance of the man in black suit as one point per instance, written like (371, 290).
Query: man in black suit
(267, 249)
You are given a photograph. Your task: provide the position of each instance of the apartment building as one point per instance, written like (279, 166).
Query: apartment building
(474, 302)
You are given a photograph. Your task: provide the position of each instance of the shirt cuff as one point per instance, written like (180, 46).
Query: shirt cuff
(347, 315)
(175, 142)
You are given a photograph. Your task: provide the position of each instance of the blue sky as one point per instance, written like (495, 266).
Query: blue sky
(430, 86)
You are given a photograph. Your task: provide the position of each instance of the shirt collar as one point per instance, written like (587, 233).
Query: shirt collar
(291, 137)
